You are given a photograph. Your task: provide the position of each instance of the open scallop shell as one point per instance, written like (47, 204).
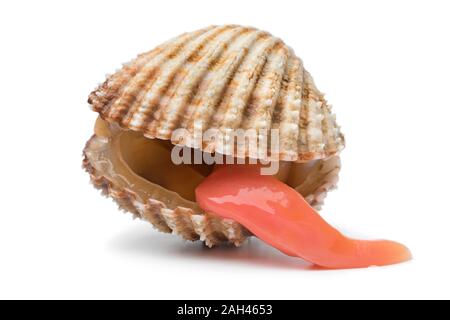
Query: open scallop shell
(220, 77)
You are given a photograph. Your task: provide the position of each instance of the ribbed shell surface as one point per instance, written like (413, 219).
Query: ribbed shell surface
(222, 77)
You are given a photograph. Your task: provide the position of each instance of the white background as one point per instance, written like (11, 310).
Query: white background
(384, 65)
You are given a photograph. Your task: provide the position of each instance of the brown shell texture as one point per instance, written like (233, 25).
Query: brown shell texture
(222, 77)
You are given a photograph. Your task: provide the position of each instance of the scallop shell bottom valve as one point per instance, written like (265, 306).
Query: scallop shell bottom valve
(222, 78)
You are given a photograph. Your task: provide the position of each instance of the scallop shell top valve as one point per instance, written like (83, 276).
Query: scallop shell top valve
(223, 78)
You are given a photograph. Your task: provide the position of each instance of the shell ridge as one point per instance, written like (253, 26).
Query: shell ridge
(212, 231)
(179, 74)
(211, 87)
(287, 110)
(190, 84)
(132, 88)
(289, 122)
(245, 79)
(286, 81)
(303, 123)
(315, 130)
(210, 107)
(185, 227)
(328, 173)
(144, 112)
(329, 136)
(259, 112)
(102, 97)
(267, 89)
(128, 112)
(236, 118)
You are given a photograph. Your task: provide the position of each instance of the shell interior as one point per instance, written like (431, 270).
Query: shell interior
(138, 173)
